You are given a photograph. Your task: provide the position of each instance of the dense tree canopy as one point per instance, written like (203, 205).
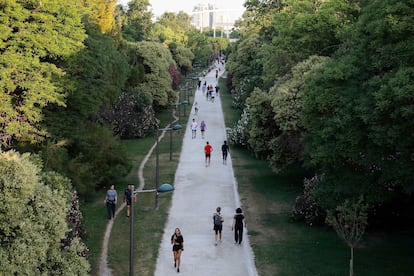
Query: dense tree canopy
(338, 77)
(35, 36)
(137, 23)
(359, 107)
(31, 222)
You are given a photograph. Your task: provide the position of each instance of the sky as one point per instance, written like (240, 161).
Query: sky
(161, 6)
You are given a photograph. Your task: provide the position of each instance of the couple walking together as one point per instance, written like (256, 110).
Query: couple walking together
(238, 223)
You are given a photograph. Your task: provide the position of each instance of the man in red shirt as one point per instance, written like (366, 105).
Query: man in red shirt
(207, 150)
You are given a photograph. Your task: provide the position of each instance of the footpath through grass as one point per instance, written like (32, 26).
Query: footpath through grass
(149, 223)
(283, 247)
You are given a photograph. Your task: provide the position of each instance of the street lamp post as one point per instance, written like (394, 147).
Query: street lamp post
(157, 158)
(162, 189)
(185, 103)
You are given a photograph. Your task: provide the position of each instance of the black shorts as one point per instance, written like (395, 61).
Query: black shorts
(218, 228)
(208, 155)
(177, 247)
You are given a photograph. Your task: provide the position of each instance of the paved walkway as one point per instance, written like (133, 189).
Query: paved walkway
(198, 191)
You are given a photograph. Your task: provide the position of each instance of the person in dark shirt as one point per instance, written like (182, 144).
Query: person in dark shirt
(177, 241)
(238, 223)
(128, 197)
(225, 150)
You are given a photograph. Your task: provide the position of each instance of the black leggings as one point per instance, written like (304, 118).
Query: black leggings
(238, 234)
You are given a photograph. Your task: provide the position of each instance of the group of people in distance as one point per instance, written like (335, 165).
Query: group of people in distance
(209, 91)
(239, 222)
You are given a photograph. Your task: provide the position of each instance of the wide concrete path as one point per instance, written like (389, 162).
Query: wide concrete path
(198, 191)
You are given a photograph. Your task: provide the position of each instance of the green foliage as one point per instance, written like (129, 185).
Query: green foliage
(172, 28)
(358, 109)
(245, 66)
(34, 38)
(137, 21)
(32, 222)
(101, 14)
(199, 45)
(302, 29)
(262, 125)
(156, 60)
(132, 116)
(258, 17)
(239, 134)
(98, 73)
(182, 56)
(349, 221)
(96, 76)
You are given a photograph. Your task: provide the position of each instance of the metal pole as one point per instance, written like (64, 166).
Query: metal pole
(131, 234)
(170, 143)
(157, 171)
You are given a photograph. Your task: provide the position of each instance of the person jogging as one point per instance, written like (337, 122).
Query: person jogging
(177, 241)
(207, 150)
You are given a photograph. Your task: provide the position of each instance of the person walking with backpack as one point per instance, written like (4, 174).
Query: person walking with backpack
(218, 225)
(110, 200)
(238, 223)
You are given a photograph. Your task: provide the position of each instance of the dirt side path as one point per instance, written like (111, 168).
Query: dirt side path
(104, 270)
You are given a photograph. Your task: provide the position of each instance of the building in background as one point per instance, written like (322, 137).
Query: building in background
(210, 17)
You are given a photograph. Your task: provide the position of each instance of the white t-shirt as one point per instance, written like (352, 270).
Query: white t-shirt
(193, 125)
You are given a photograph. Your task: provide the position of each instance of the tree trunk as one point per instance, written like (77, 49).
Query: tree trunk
(351, 263)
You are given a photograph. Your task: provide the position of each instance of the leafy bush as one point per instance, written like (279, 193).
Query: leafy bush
(238, 135)
(306, 208)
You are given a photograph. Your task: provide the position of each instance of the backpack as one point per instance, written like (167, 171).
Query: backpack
(218, 220)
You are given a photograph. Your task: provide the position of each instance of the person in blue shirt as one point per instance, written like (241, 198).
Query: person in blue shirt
(111, 200)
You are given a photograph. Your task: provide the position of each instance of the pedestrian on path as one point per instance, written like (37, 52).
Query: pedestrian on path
(238, 223)
(207, 150)
(195, 108)
(212, 95)
(225, 150)
(128, 197)
(193, 128)
(110, 200)
(204, 87)
(218, 225)
(177, 240)
(203, 128)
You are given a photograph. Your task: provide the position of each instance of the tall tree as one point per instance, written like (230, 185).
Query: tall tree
(304, 28)
(137, 21)
(101, 13)
(35, 36)
(155, 61)
(96, 77)
(359, 109)
(32, 222)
